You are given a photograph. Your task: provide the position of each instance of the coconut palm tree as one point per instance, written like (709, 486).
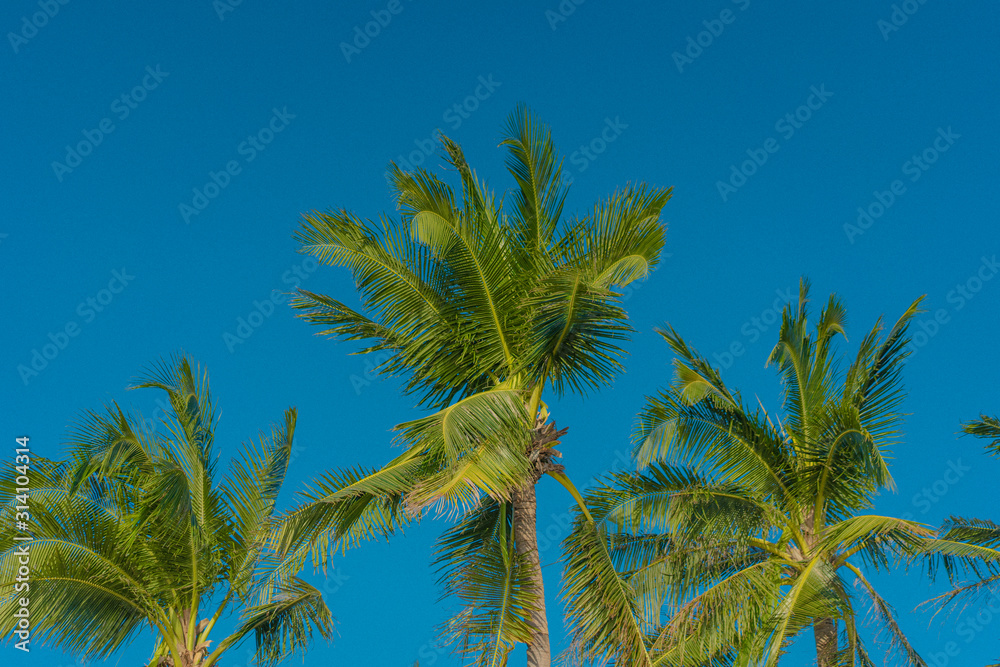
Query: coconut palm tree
(136, 532)
(481, 304)
(745, 527)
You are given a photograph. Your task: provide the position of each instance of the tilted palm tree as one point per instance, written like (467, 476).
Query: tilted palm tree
(482, 305)
(136, 533)
(745, 527)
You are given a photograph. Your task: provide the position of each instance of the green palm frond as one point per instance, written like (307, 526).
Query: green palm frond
(480, 566)
(251, 491)
(680, 501)
(709, 624)
(475, 445)
(622, 239)
(985, 427)
(878, 539)
(574, 329)
(494, 415)
(86, 594)
(540, 194)
(966, 548)
(284, 624)
(602, 608)
(700, 422)
(343, 508)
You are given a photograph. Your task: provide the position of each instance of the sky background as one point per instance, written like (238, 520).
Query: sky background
(684, 115)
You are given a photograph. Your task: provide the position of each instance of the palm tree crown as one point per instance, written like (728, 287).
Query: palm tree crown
(481, 303)
(135, 533)
(743, 528)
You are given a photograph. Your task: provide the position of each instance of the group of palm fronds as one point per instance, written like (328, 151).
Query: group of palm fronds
(738, 529)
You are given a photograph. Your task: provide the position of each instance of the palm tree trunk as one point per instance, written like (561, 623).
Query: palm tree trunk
(526, 539)
(825, 630)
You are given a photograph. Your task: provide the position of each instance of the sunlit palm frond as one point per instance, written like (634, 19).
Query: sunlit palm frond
(538, 200)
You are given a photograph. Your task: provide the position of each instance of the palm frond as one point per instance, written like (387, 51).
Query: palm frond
(537, 170)
(602, 609)
(480, 566)
(284, 624)
(985, 427)
(886, 616)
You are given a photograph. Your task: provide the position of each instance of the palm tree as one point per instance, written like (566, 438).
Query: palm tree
(481, 304)
(742, 528)
(134, 533)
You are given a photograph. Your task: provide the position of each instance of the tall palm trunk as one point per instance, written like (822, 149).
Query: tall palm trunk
(526, 539)
(825, 630)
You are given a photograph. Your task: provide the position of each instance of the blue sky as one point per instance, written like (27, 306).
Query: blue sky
(157, 160)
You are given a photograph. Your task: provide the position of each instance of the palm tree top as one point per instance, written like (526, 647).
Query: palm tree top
(482, 302)
(136, 531)
(468, 291)
(741, 529)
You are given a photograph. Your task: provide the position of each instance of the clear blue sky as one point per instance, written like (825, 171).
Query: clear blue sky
(913, 103)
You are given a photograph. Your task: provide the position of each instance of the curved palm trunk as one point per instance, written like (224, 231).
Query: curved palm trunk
(825, 630)
(525, 537)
